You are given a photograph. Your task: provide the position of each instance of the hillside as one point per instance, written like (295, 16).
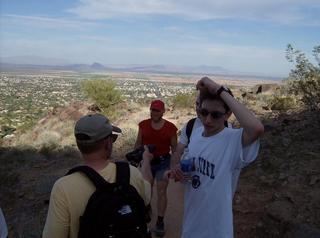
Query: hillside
(278, 195)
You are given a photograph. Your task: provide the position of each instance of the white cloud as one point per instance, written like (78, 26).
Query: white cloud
(281, 11)
(99, 39)
(44, 22)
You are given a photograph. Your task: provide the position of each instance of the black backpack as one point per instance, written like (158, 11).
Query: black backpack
(189, 128)
(114, 209)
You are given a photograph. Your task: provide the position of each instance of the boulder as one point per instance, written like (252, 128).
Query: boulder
(302, 230)
(265, 88)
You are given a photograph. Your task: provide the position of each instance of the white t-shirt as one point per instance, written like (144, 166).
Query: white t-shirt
(183, 139)
(208, 199)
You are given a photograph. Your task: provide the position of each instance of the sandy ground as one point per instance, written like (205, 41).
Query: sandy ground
(173, 218)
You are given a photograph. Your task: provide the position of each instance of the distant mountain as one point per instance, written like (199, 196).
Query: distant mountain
(84, 67)
(97, 66)
(42, 63)
(175, 69)
(172, 69)
(203, 69)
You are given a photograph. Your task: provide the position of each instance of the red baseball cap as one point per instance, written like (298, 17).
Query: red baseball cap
(158, 105)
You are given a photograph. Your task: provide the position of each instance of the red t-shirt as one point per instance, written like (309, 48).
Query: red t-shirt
(160, 138)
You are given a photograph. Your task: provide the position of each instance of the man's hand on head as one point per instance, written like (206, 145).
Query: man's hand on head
(206, 84)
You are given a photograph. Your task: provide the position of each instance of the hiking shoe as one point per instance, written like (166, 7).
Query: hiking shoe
(159, 229)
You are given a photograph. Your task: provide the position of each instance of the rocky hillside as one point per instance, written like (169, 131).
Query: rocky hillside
(278, 195)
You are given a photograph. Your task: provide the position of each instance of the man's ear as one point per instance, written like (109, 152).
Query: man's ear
(107, 142)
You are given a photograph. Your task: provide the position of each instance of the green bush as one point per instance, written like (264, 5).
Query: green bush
(304, 79)
(103, 93)
(184, 100)
(282, 103)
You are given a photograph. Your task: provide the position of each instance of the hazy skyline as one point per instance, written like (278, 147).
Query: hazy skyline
(244, 36)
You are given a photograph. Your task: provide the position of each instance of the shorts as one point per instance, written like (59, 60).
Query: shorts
(161, 167)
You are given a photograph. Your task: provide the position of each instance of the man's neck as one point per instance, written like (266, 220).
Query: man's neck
(212, 133)
(157, 124)
(96, 161)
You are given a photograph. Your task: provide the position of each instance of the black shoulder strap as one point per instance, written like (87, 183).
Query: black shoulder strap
(94, 176)
(190, 127)
(226, 124)
(122, 173)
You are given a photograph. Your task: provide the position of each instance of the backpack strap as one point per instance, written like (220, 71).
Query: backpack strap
(93, 175)
(189, 128)
(122, 173)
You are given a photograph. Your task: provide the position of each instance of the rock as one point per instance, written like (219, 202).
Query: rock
(94, 108)
(268, 127)
(286, 141)
(265, 88)
(281, 210)
(7, 137)
(259, 90)
(45, 185)
(291, 179)
(283, 176)
(262, 178)
(302, 230)
(314, 179)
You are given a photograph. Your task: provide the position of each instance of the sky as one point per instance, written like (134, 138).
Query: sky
(239, 35)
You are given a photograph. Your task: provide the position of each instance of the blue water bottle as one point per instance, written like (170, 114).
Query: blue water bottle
(186, 165)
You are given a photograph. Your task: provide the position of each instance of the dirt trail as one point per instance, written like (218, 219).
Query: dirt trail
(173, 218)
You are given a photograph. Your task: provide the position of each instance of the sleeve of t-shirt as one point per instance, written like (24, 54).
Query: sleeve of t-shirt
(143, 187)
(173, 129)
(57, 222)
(183, 138)
(246, 154)
(140, 125)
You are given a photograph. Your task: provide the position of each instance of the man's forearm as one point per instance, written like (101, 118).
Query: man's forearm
(251, 125)
(175, 158)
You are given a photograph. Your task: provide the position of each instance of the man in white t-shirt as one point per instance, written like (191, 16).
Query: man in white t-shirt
(184, 140)
(217, 152)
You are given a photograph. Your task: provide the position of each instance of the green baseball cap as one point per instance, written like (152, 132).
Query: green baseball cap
(92, 128)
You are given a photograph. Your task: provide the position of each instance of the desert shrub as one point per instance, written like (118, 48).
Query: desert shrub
(282, 102)
(304, 79)
(184, 100)
(128, 139)
(103, 93)
(6, 130)
(48, 141)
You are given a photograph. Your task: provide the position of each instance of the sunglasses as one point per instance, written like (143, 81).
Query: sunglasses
(214, 114)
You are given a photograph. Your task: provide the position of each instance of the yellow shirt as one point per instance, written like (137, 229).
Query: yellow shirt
(69, 197)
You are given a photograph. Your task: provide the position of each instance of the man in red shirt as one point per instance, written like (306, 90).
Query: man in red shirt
(163, 134)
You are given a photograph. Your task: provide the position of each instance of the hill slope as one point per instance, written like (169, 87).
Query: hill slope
(278, 195)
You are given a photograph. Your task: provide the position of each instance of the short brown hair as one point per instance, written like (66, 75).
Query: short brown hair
(210, 96)
(87, 148)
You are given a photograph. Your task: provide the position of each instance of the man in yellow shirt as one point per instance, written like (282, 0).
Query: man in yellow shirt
(70, 194)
